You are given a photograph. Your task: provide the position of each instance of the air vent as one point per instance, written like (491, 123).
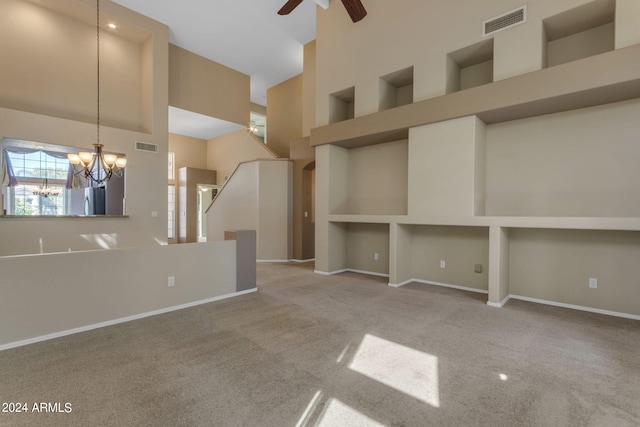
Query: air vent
(146, 146)
(504, 21)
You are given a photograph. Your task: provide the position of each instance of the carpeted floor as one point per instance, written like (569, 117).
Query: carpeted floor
(347, 350)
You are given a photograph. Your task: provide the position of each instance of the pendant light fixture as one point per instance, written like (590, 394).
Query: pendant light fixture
(97, 167)
(45, 191)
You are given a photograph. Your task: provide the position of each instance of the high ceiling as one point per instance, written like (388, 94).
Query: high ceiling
(246, 35)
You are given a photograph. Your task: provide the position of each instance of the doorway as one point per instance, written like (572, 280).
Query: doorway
(308, 211)
(206, 194)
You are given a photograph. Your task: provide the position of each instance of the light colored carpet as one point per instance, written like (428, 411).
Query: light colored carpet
(340, 350)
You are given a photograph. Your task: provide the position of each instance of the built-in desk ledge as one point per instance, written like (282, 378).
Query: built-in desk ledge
(600, 79)
(559, 222)
(64, 216)
(553, 222)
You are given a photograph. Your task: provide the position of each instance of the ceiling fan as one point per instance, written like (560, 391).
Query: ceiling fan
(354, 7)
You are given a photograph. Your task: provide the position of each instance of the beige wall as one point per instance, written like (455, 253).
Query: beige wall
(275, 211)
(39, 297)
(578, 163)
(34, 120)
(581, 45)
(418, 249)
(236, 205)
(206, 87)
(257, 197)
(460, 247)
(189, 152)
(325, 159)
(309, 89)
(257, 108)
(556, 265)
(284, 120)
(50, 62)
(364, 241)
(444, 171)
(226, 152)
(377, 179)
(626, 19)
(391, 39)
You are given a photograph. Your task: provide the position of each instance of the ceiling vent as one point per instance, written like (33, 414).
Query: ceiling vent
(504, 21)
(146, 146)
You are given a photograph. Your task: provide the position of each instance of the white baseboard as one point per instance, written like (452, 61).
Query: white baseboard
(499, 304)
(265, 261)
(303, 260)
(120, 320)
(577, 307)
(370, 273)
(330, 273)
(444, 285)
(352, 270)
(397, 285)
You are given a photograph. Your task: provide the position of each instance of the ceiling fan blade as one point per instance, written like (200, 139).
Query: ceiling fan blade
(289, 6)
(355, 9)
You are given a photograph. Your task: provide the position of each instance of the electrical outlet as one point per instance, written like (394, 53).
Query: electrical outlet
(593, 283)
(376, 256)
(478, 268)
(171, 281)
(443, 264)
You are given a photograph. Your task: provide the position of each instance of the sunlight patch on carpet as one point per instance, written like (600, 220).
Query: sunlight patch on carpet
(339, 414)
(306, 415)
(405, 369)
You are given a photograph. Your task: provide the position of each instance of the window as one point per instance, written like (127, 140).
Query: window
(258, 125)
(172, 211)
(41, 183)
(37, 179)
(171, 163)
(172, 196)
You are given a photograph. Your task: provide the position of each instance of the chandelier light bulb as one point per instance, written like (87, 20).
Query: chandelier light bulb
(85, 157)
(121, 162)
(74, 159)
(110, 159)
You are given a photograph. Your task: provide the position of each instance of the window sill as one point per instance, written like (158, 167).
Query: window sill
(64, 216)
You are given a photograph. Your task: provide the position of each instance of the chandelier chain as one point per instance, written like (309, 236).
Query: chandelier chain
(97, 167)
(98, 66)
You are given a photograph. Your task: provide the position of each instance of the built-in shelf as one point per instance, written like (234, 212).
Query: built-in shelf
(396, 89)
(580, 32)
(341, 105)
(524, 187)
(570, 223)
(599, 79)
(470, 67)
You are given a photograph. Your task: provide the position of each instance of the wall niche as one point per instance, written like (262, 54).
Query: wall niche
(580, 32)
(470, 66)
(396, 89)
(341, 105)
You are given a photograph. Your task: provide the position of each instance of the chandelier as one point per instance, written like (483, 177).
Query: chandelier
(97, 167)
(46, 191)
